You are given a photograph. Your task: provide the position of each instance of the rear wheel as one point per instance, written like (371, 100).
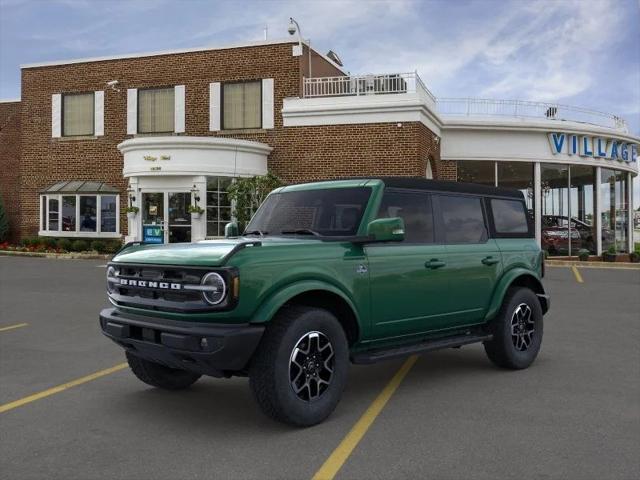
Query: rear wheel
(160, 376)
(517, 330)
(300, 368)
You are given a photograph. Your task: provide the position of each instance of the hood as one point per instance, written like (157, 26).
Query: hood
(209, 253)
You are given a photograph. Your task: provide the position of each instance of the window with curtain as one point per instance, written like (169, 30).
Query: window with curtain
(242, 105)
(77, 114)
(156, 110)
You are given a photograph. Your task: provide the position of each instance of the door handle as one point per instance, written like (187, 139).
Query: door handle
(434, 263)
(490, 260)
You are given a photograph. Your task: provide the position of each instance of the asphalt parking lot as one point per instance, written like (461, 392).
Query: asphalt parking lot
(574, 414)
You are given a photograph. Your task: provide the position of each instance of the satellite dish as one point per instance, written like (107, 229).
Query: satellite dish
(333, 56)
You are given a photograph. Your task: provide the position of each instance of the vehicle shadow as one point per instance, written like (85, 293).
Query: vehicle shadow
(227, 405)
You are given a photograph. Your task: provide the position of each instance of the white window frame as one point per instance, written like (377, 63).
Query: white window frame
(78, 233)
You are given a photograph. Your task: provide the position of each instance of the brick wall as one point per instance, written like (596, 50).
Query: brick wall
(10, 162)
(299, 153)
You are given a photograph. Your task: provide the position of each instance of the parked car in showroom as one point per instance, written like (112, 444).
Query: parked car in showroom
(329, 273)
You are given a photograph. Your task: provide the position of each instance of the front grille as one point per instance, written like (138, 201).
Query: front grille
(161, 288)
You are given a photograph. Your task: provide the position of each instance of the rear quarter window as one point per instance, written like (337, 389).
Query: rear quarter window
(510, 218)
(462, 219)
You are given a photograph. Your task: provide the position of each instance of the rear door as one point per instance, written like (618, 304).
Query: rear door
(473, 260)
(407, 278)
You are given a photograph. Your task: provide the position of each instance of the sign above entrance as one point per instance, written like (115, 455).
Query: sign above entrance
(589, 146)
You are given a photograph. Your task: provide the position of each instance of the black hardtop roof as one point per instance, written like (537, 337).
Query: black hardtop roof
(418, 183)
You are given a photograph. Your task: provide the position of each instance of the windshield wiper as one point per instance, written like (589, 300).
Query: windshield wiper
(301, 231)
(255, 232)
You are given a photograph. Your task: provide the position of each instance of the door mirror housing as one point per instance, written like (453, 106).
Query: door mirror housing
(231, 230)
(386, 230)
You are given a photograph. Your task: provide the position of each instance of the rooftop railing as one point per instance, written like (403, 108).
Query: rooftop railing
(398, 83)
(356, 85)
(469, 107)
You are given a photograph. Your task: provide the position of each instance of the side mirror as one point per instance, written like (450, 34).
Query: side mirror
(231, 230)
(386, 230)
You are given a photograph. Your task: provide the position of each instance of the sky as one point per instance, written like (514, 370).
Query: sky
(577, 52)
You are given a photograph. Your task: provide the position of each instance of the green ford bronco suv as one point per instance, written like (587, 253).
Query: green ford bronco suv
(328, 273)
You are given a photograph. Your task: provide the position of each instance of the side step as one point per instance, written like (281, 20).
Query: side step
(378, 355)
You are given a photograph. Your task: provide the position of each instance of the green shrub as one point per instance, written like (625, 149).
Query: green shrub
(29, 242)
(112, 246)
(583, 254)
(48, 242)
(4, 223)
(79, 246)
(64, 244)
(98, 245)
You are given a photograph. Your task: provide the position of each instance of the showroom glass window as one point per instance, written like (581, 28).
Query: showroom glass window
(156, 110)
(242, 105)
(615, 210)
(518, 175)
(77, 114)
(80, 214)
(218, 205)
(582, 206)
(477, 171)
(555, 210)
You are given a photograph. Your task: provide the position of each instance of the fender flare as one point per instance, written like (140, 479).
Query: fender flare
(276, 300)
(505, 282)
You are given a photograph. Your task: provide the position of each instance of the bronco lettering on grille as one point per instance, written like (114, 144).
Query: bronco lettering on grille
(148, 284)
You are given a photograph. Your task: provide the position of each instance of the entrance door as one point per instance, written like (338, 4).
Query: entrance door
(153, 215)
(165, 218)
(179, 217)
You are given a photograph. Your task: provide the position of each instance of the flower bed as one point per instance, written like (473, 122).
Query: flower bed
(62, 245)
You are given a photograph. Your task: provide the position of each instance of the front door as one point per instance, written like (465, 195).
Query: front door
(408, 290)
(165, 218)
(179, 230)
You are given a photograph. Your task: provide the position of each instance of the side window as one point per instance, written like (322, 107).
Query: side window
(509, 216)
(462, 219)
(415, 209)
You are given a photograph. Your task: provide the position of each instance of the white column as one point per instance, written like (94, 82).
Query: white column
(134, 230)
(598, 212)
(630, 212)
(537, 204)
(199, 226)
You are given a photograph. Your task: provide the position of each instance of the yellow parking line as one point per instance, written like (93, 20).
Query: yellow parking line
(60, 388)
(577, 274)
(334, 463)
(11, 327)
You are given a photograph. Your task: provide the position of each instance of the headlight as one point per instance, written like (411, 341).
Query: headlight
(112, 273)
(215, 288)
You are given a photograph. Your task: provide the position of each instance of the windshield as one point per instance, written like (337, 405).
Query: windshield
(323, 212)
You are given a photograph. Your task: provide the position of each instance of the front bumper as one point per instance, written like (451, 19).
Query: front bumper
(209, 349)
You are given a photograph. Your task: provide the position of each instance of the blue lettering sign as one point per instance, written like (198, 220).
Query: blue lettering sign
(600, 147)
(586, 148)
(557, 142)
(634, 153)
(152, 234)
(624, 152)
(614, 150)
(573, 146)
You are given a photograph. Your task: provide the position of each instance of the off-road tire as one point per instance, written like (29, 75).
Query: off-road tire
(502, 349)
(160, 376)
(269, 371)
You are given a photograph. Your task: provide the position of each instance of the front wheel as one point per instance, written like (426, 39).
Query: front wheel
(517, 330)
(300, 368)
(160, 376)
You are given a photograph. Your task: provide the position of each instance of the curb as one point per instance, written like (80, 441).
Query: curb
(610, 265)
(59, 256)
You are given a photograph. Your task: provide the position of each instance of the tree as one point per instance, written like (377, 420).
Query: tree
(4, 223)
(246, 195)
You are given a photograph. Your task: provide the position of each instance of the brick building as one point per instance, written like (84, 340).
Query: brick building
(164, 130)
